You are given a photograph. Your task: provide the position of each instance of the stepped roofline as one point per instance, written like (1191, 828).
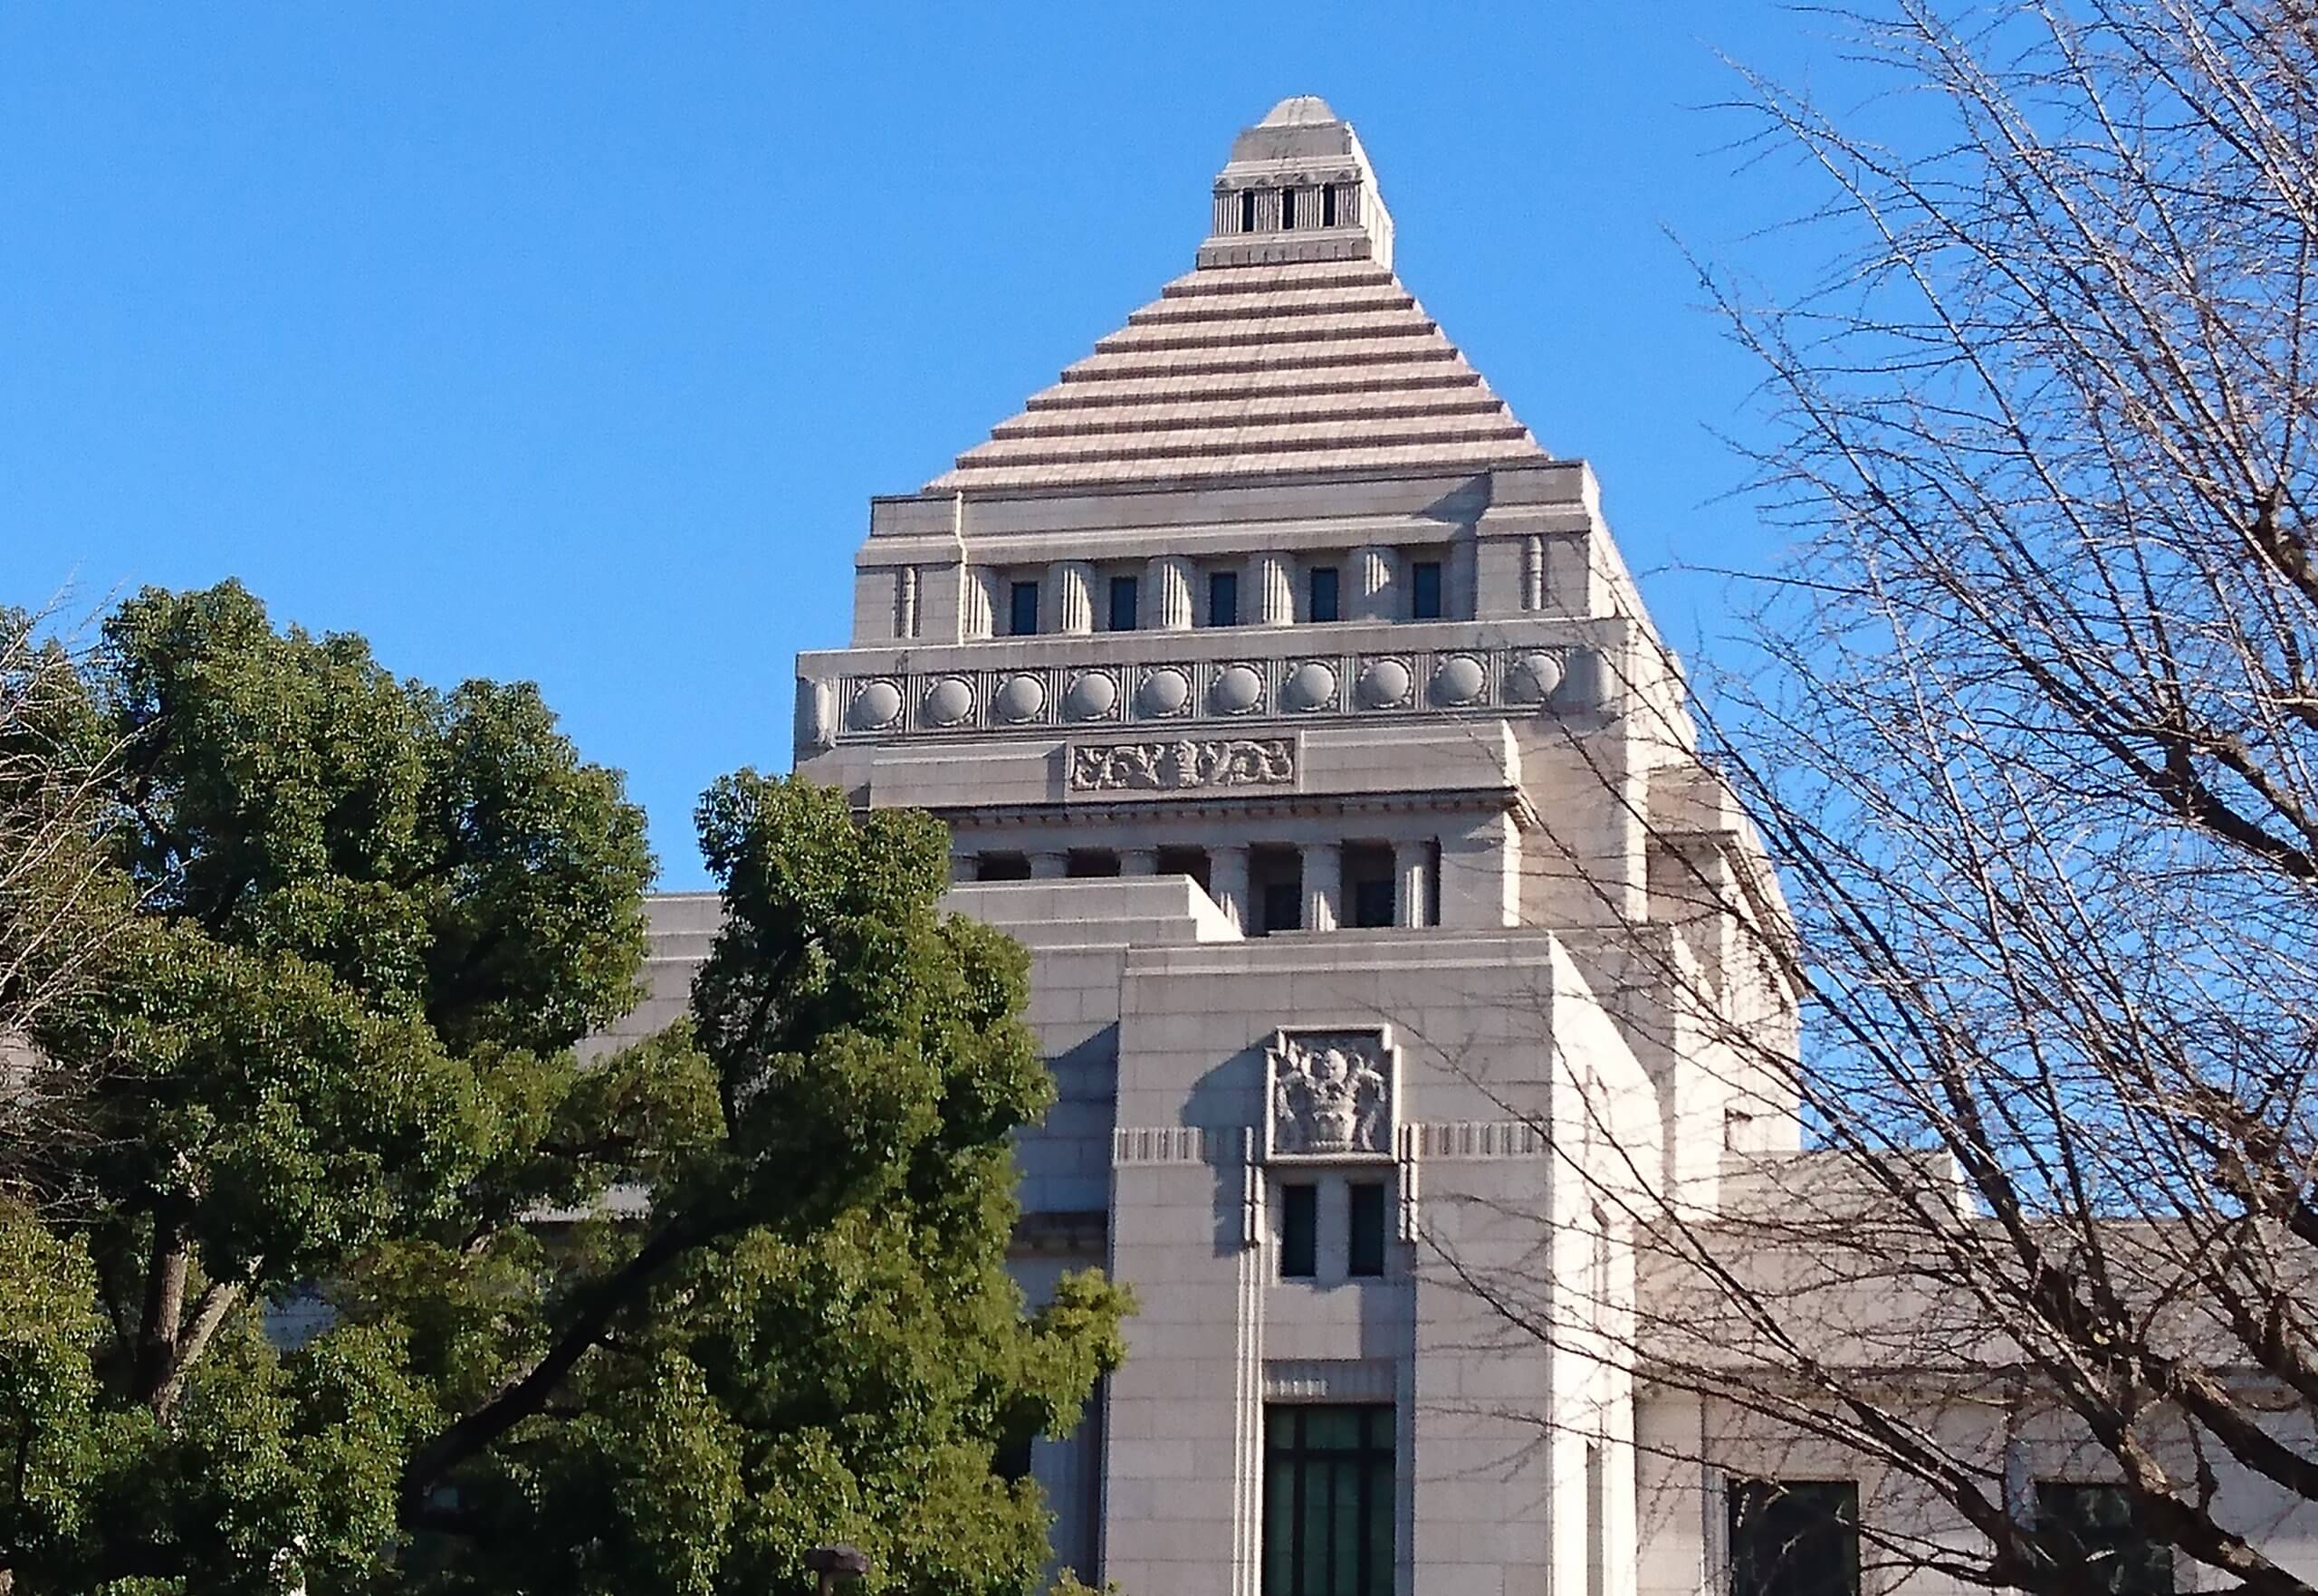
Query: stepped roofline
(1291, 350)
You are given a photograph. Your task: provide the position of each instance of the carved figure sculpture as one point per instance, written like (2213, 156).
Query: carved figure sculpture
(1331, 1093)
(1181, 764)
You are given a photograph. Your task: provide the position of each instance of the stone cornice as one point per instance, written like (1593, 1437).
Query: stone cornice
(1241, 804)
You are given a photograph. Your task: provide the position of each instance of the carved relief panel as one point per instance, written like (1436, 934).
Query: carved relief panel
(1332, 1094)
(1182, 764)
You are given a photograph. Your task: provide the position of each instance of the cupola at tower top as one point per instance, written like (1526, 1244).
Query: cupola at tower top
(1297, 187)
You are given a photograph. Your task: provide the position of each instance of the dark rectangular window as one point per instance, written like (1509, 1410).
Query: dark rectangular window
(1794, 1538)
(1126, 597)
(1324, 593)
(2092, 1527)
(1598, 1523)
(1372, 903)
(1424, 590)
(1247, 210)
(1288, 207)
(1224, 598)
(1022, 609)
(1299, 1232)
(1327, 1500)
(1328, 205)
(1366, 1253)
(1283, 906)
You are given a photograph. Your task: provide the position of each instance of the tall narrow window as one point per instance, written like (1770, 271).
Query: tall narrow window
(1371, 903)
(1022, 609)
(1322, 607)
(1224, 598)
(1127, 597)
(1283, 906)
(2092, 1526)
(1328, 205)
(1597, 1522)
(1247, 210)
(1287, 207)
(1329, 1504)
(1299, 1232)
(1794, 1538)
(1424, 590)
(1366, 1256)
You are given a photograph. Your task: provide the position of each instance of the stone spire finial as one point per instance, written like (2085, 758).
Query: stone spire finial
(1297, 187)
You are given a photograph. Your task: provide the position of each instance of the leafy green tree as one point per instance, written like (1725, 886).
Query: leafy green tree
(653, 1321)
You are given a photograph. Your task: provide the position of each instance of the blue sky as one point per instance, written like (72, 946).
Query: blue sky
(569, 342)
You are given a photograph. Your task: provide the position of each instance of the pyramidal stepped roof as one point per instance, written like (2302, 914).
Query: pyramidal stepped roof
(1291, 350)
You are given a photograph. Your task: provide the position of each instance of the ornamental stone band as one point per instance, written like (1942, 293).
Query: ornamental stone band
(1182, 764)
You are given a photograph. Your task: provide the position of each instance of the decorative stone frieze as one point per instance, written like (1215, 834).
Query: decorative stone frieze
(1159, 1144)
(1331, 1094)
(1182, 764)
(1531, 679)
(1328, 1380)
(1479, 1140)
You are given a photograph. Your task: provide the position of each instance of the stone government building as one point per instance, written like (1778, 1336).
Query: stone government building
(1293, 706)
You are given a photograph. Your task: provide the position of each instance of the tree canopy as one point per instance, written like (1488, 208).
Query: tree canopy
(652, 1320)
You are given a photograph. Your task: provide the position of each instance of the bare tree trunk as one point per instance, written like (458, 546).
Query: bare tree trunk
(157, 1327)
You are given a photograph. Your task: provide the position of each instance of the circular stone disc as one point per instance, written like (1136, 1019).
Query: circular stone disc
(1459, 679)
(875, 704)
(1238, 689)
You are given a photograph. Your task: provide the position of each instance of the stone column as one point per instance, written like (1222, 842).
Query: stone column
(906, 601)
(1458, 576)
(1049, 865)
(1375, 585)
(1412, 878)
(1272, 590)
(1323, 885)
(977, 604)
(1533, 572)
(1170, 593)
(1074, 596)
(1481, 875)
(1226, 883)
(1138, 861)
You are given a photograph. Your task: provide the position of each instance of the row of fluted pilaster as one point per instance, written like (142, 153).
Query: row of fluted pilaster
(1370, 585)
(1230, 881)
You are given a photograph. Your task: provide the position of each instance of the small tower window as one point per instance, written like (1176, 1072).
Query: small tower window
(1324, 606)
(1287, 207)
(1299, 1231)
(1022, 609)
(1424, 590)
(1126, 593)
(1328, 205)
(1366, 1256)
(1247, 210)
(1224, 598)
